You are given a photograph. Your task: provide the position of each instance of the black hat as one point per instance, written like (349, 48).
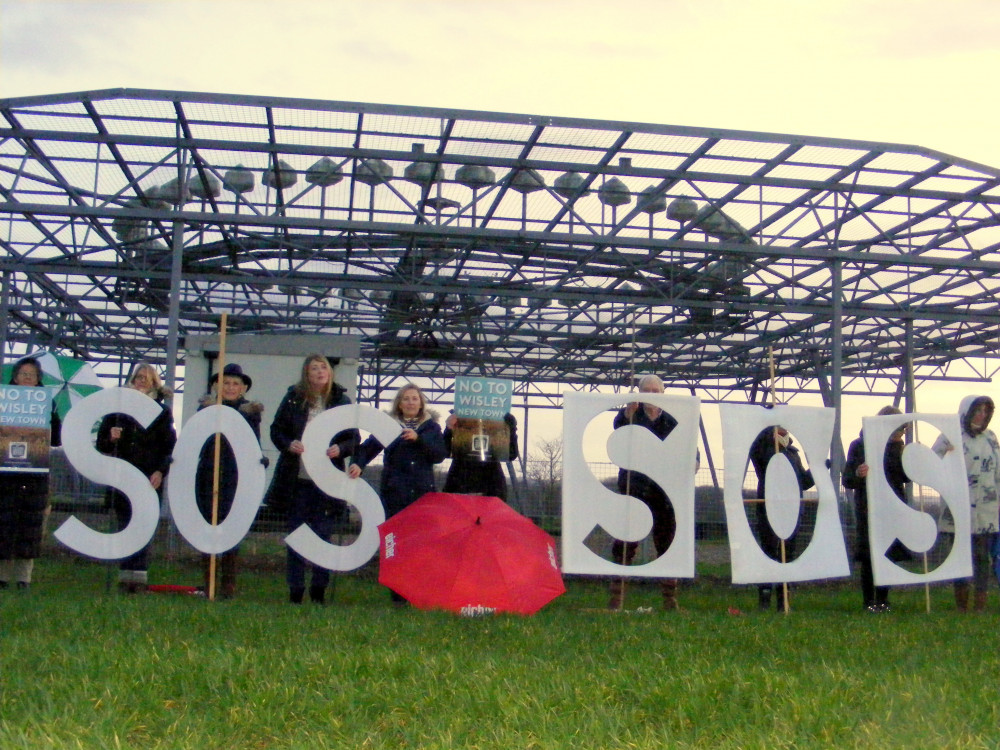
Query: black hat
(233, 370)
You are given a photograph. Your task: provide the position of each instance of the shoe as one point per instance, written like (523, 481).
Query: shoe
(3, 585)
(764, 599)
(295, 595)
(23, 585)
(317, 594)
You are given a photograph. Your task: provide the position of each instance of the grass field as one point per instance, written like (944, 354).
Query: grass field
(85, 668)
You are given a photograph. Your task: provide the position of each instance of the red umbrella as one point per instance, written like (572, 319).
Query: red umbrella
(469, 554)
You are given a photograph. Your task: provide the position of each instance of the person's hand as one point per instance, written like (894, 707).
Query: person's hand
(156, 479)
(631, 408)
(296, 447)
(863, 470)
(116, 433)
(354, 471)
(333, 451)
(451, 421)
(409, 434)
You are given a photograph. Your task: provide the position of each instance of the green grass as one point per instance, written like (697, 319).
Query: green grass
(84, 668)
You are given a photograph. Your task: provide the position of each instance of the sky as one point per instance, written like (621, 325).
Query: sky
(920, 72)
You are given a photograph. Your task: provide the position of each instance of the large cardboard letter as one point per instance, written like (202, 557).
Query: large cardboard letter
(336, 483)
(587, 503)
(202, 535)
(123, 476)
(826, 555)
(890, 518)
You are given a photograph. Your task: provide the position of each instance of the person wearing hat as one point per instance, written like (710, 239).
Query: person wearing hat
(235, 384)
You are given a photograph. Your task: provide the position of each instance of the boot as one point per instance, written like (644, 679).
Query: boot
(962, 596)
(295, 595)
(764, 598)
(669, 588)
(617, 598)
(228, 575)
(780, 598)
(980, 602)
(317, 594)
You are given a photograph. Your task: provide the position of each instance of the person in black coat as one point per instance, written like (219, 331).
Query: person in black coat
(235, 384)
(291, 490)
(876, 598)
(638, 485)
(768, 443)
(149, 451)
(24, 499)
(408, 467)
(475, 473)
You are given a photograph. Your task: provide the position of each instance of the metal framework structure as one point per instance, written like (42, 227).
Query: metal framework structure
(547, 250)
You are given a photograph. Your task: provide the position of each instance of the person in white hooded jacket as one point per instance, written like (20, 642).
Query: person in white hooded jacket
(982, 466)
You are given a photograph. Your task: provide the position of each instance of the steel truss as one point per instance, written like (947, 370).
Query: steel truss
(550, 251)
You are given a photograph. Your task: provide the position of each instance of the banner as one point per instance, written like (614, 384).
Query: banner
(25, 426)
(482, 398)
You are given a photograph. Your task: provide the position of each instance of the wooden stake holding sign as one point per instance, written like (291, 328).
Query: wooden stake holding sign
(218, 450)
(911, 387)
(777, 450)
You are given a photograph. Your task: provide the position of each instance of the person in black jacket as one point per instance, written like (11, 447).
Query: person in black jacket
(292, 490)
(24, 499)
(638, 485)
(235, 384)
(149, 451)
(408, 468)
(876, 598)
(767, 444)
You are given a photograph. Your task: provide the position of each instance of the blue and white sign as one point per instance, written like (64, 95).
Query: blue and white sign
(482, 398)
(25, 420)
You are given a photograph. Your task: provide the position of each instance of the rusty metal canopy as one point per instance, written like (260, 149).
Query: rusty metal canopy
(545, 250)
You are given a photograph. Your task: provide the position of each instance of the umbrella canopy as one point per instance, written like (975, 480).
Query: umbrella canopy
(468, 554)
(67, 378)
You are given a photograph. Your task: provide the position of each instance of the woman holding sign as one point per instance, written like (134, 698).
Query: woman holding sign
(292, 490)
(149, 451)
(24, 500)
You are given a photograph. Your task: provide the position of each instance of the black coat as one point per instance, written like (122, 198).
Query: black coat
(24, 499)
(228, 472)
(147, 449)
(408, 466)
(763, 449)
(634, 483)
(893, 466)
(470, 476)
(288, 425)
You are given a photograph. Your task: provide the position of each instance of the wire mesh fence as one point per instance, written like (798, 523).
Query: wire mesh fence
(535, 489)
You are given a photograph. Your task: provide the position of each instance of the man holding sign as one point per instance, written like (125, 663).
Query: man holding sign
(480, 434)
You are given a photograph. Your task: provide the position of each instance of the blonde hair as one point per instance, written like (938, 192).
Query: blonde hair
(156, 384)
(303, 387)
(397, 409)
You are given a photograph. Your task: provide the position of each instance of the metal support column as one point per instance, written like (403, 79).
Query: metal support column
(5, 312)
(836, 372)
(174, 310)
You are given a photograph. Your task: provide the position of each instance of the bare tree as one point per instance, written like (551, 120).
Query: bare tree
(544, 468)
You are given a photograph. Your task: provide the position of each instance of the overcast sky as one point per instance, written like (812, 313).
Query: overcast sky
(920, 72)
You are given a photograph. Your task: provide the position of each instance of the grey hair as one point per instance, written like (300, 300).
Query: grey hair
(651, 379)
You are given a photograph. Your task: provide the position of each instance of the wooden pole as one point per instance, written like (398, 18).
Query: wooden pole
(628, 475)
(777, 449)
(224, 323)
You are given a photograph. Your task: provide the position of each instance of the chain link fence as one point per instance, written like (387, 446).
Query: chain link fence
(535, 492)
